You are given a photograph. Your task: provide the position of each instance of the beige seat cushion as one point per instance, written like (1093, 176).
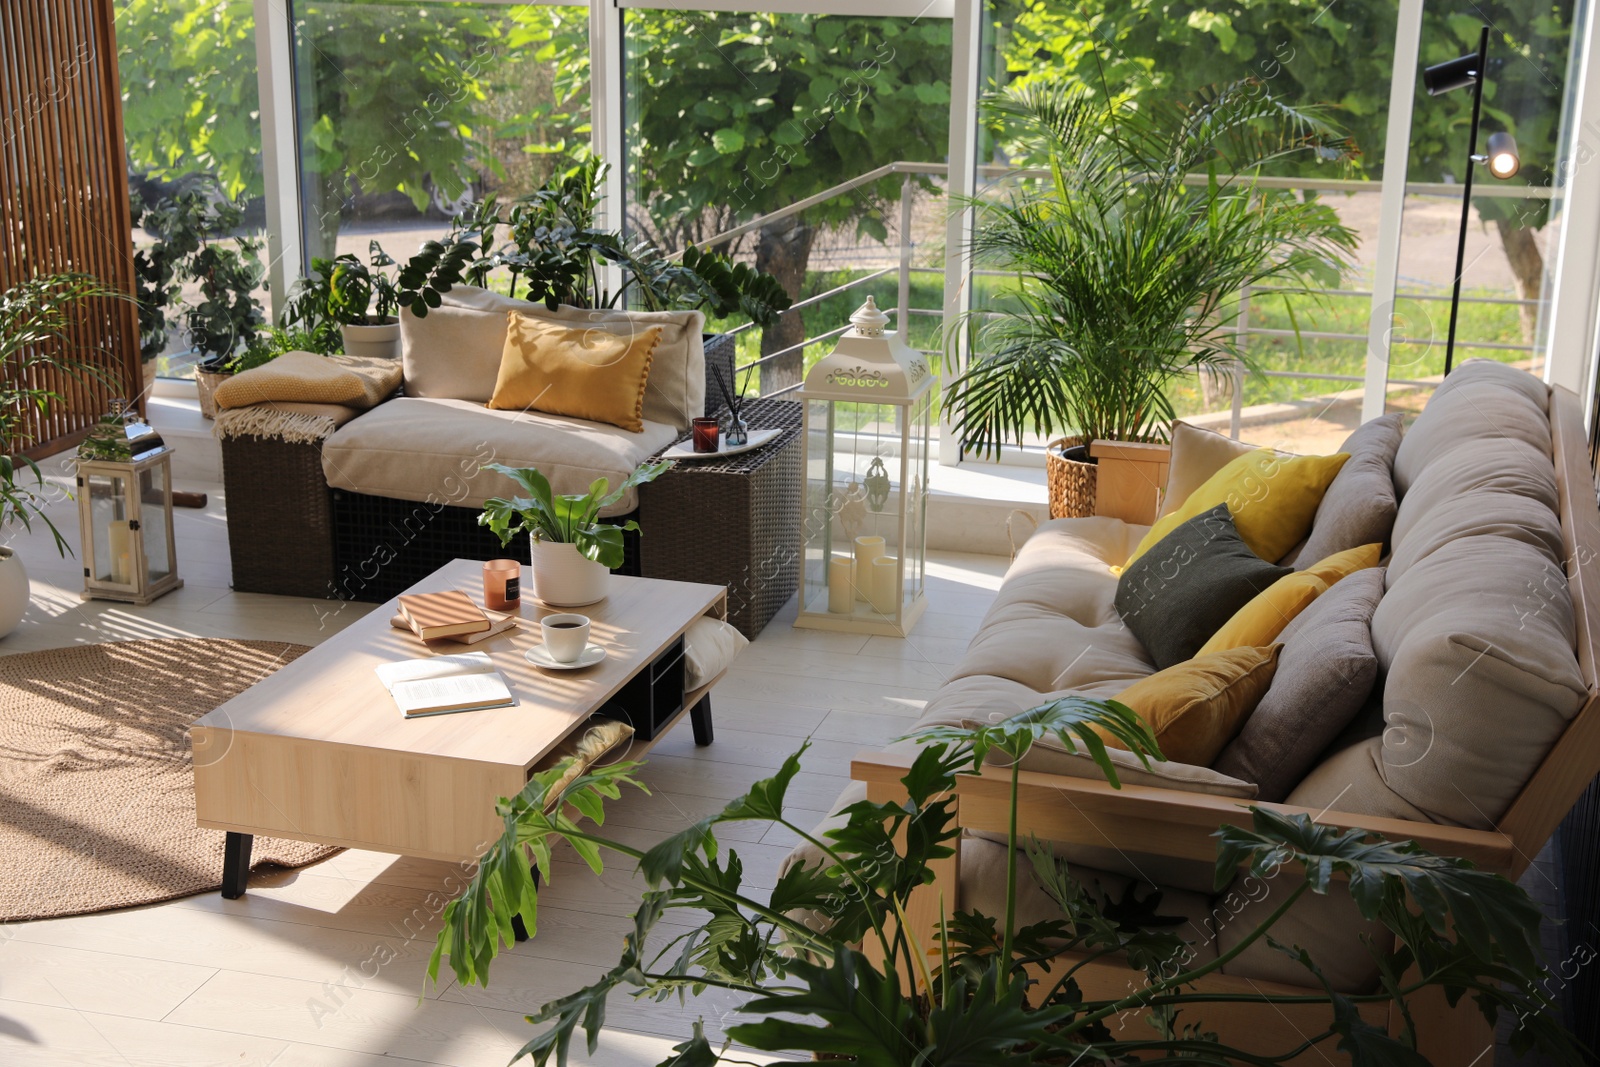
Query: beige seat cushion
(433, 450)
(454, 353)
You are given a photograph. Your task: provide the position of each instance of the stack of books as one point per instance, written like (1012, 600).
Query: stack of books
(450, 616)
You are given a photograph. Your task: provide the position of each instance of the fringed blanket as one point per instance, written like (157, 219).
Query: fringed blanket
(302, 397)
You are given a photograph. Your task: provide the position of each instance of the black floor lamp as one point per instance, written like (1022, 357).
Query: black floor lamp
(1502, 158)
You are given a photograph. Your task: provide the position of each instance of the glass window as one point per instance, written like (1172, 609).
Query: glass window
(1303, 353)
(409, 111)
(731, 116)
(193, 124)
(1508, 244)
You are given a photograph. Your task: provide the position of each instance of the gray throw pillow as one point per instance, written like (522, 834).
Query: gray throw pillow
(1180, 592)
(1360, 504)
(1326, 671)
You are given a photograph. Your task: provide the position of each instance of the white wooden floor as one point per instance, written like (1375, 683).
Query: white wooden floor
(323, 967)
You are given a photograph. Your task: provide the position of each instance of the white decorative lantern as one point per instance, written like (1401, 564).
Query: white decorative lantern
(863, 536)
(125, 514)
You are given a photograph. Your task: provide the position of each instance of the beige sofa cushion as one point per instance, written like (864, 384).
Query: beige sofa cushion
(1481, 401)
(433, 450)
(1484, 487)
(1476, 644)
(1196, 455)
(454, 353)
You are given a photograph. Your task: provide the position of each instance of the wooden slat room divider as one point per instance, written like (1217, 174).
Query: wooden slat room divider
(64, 192)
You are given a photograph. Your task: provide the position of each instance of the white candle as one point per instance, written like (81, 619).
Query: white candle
(119, 537)
(885, 585)
(841, 575)
(867, 550)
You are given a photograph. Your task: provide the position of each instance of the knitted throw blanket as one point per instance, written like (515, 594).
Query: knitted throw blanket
(305, 377)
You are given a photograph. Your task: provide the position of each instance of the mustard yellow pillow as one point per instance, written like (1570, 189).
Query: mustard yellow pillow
(1272, 498)
(1196, 707)
(571, 369)
(1266, 615)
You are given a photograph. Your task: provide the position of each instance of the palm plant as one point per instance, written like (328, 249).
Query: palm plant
(1131, 257)
(36, 318)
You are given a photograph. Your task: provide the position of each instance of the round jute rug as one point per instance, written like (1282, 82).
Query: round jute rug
(96, 789)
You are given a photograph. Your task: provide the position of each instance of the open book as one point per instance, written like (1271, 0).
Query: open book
(439, 684)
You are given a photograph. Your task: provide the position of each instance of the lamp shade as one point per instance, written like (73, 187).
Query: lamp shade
(1503, 159)
(1452, 74)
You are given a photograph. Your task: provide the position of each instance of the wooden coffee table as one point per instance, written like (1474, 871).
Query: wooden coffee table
(317, 751)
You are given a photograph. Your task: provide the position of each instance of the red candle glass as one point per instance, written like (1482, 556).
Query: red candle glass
(703, 431)
(502, 585)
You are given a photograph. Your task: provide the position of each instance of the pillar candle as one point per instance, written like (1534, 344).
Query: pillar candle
(841, 576)
(885, 585)
(867, 550)
(120, 540)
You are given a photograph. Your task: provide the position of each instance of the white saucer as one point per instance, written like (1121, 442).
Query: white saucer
(537, 656)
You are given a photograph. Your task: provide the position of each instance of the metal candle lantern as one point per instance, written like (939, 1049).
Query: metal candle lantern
(868, 423)
(124, 483)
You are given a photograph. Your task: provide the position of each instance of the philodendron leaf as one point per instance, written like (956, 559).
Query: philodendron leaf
(764, 799)
(695, 1052)
(1491, 917)
(664, 862)
(1076, 722)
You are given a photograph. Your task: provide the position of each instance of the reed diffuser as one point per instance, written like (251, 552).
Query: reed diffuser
(737, 434)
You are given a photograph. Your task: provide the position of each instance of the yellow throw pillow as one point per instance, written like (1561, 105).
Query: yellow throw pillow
(1196, 455)
(1267, 614)
(1272, 498)
(1196, 707)
(570, 369)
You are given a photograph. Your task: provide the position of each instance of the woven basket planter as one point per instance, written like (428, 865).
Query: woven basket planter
(1071, 477)
(205, 387)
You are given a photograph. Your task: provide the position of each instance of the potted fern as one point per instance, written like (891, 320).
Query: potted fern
(1130, 259)
(573, 551)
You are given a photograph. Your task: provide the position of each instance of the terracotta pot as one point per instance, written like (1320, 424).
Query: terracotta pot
(13, 590)
(380, 342)
(564, 579)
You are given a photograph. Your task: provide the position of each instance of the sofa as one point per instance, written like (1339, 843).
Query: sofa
(367, 502)
(1479, 734)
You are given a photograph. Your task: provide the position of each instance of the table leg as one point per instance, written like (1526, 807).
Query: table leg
(518, 930)
(236, 864)
(700, 719)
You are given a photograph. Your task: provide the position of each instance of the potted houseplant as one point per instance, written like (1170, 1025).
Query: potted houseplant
(820, 964)
(553, 252)
(1130, 259)
(227, 316)
(35, 320)
(573, 551)
(345, 303)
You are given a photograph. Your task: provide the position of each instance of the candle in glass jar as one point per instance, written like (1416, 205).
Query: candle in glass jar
(502, 585)
(885, 585)
(841, 575)
(120, 539)
(867, 550)
(703, 432)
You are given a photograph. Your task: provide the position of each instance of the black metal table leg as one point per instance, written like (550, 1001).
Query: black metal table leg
(236, 864)
(700, 719)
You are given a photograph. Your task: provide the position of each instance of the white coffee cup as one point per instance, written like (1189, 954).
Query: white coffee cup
(565, 636)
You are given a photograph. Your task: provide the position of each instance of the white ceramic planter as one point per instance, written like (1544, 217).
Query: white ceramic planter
(379, 342)
(13, 590)
(564, 579)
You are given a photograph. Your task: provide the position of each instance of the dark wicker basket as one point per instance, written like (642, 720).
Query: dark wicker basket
(733, 522)
(280, 517)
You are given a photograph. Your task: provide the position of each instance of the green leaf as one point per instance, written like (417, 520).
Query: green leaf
(728, 140)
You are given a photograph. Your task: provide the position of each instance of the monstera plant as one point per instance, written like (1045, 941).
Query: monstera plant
(823, 962)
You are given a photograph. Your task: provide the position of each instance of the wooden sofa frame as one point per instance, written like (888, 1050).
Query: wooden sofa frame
(1167, 822)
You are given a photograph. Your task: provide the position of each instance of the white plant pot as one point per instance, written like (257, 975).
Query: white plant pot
(379, 342)
(564, 579)
(13, 590)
